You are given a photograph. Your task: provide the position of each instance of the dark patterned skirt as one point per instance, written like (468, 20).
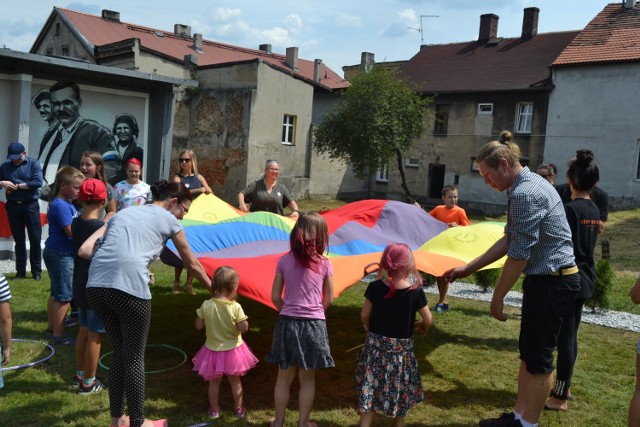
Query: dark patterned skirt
(300, 342)
(387, 376)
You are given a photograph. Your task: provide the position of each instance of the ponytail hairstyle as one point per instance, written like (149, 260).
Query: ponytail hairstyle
(397, 261)
(309, 239)
(583, 173)
(66, 175)
(503, 148)
(163, 190)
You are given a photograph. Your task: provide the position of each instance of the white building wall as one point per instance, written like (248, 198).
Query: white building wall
(598, 107)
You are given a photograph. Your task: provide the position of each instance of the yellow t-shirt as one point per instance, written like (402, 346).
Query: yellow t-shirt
(220, 320)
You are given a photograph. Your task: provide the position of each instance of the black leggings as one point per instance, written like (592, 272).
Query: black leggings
(126, 319)
(567, 352)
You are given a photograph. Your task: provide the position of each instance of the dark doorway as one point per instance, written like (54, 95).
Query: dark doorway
(436, 180)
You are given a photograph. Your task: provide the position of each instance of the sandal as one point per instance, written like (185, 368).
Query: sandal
(188, 289)
(176, 288)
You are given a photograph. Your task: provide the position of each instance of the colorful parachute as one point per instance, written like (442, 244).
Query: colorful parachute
(358, 233)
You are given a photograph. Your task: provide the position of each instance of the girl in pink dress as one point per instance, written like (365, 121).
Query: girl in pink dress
(224, 352)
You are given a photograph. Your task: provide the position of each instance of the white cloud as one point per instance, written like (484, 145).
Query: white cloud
(225, 14)
(345, 20)
(399, 27)
(293, 21)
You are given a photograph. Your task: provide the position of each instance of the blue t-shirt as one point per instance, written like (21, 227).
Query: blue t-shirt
(60, 215)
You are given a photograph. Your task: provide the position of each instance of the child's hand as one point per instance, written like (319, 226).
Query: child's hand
(420, 328)
(453, 224)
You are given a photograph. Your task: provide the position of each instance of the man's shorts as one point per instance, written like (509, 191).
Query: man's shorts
(547, 302)
(90, 320)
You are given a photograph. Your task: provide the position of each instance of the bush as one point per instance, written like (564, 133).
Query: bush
(604, 277)
(487, 278)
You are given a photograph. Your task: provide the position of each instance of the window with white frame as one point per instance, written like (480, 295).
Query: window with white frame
(289, 129)
(412, 163)
(524, 117)
(382, 174)
(485, 108)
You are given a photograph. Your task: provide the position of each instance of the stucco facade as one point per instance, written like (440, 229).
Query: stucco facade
(596, 107)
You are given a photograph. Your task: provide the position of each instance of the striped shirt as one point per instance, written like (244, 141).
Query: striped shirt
(537, 229)
(5, 293)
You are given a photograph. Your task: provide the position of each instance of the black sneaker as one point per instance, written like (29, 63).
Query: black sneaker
(95, 387)
(76, 381)
(505, 419)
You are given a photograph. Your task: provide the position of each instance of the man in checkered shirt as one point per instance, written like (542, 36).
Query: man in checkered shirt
(537, 243)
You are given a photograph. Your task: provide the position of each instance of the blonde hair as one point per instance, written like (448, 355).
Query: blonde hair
(66, 175)
(493, 151)
(194, 161)
(223, 281)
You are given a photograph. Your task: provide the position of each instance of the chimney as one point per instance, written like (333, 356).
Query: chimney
(317, 70)
(628, 4)
(530, 23)
(191, 59)
(367, 61)
(182, 30)
(265, 48)
(111, 15)
(488, 27)
(292, 58)
(197, 42)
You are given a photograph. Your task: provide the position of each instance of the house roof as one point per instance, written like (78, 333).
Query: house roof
(612, 36)
(499, 65)
(97, 31)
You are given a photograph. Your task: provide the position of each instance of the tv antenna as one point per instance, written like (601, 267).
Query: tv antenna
(421, 29)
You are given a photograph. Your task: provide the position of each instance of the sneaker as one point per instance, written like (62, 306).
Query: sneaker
(188, 289)
(441, 308)
(63, 339)
(48, 333)
(214, 413)
(175, 289)
(240, 412)
(76, 381)
(69, 322)
(95, 387)
(505, 419)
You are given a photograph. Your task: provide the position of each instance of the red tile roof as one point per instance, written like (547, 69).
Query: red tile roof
(99, 32)
(612, 36)
(512, 64)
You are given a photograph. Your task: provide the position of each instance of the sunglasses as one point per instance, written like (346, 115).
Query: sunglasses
(184, 160)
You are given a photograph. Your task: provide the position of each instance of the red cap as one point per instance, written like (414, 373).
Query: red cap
(92, 189)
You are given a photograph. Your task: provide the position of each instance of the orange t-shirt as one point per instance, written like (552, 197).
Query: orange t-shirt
(455, 214)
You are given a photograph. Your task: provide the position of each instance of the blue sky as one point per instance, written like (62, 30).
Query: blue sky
(335, 31)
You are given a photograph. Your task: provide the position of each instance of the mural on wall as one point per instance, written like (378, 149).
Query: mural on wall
(74, 120)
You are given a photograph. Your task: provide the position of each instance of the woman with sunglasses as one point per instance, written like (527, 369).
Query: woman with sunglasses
(121, 296)
(187, 173)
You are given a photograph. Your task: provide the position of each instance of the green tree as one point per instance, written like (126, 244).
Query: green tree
(378, 118)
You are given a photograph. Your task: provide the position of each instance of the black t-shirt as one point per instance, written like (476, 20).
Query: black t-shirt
(598, 195)
(394, 317)
(584, 217)
(81, 230)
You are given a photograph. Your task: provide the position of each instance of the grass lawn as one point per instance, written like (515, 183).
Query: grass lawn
(468, 361)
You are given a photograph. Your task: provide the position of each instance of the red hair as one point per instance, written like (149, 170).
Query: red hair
(134, 161)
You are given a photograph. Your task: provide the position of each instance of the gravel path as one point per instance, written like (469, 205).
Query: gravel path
(608, 318)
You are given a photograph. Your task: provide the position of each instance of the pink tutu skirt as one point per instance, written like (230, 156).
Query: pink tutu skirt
(211, 364)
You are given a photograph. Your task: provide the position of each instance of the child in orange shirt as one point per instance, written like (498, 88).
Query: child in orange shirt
(453, 215)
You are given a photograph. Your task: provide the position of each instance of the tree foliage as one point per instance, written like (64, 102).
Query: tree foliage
(378, 117)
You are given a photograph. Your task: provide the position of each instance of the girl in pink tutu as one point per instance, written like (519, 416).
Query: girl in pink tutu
(224, 352)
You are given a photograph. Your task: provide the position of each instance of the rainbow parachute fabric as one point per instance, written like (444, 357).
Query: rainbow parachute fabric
(252, 243)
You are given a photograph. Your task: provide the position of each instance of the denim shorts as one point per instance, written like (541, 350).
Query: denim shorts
(90, 320)
(60, 268)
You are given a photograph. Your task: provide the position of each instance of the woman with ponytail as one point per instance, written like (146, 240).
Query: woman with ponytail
(118, 291)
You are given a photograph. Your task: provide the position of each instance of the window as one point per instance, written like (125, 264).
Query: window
(49, 52)
(442, 119)
(65, 50)
(57, 29)
(412, 163)
(382, 174)
(524, 116)
(289, 130)
(485, 109)
(474, 165)
(638, 168)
